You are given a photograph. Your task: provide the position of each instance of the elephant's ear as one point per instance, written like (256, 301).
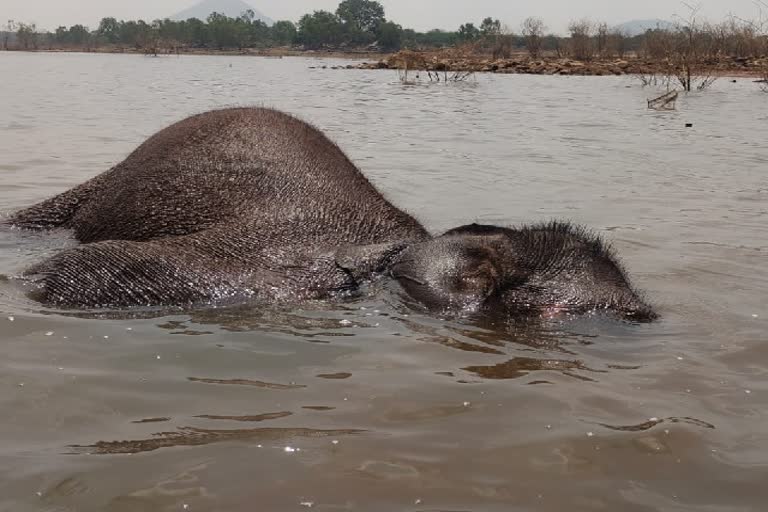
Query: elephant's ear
(362, 261)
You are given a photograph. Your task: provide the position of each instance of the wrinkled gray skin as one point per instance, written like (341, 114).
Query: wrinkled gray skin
(253, 203)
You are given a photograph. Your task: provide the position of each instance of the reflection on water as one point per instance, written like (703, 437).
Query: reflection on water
(383, 407)
(246, 382)
(647, 425)
(246, 318)
(335, 376)
(522, 366)
(152, 420)
(254, 418)
(432, 336)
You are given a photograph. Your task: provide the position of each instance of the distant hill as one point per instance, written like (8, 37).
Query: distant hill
(637, 27)
(231, 8)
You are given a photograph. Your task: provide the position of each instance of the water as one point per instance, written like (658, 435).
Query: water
(365, 406)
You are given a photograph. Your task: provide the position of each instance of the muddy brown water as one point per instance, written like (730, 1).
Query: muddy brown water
(367, 406)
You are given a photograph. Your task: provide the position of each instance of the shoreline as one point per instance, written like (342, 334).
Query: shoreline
(446, 62)
(277, 52)
(443, 61)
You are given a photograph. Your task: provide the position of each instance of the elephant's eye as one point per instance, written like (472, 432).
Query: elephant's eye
(476, 279)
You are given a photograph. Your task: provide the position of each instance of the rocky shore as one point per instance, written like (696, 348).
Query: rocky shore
(448, 61)
(557, 66)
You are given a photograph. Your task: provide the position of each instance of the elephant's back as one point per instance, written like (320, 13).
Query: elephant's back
(239, 154)
(227, 165)
(242, 141)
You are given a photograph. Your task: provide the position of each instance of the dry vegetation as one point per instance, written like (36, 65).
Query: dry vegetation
(533, 30)
(689, 55)
(413, 66)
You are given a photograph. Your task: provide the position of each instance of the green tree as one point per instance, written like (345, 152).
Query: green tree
(223, 31)
(258, 33)
(468, 32)
(127, 32)
(390, 35)
(61, 35)
(490, 28)
(199, 35)
(170, 32)
(439, 38)
(361, 15)
(435, 38)
(248, 15)
(283, 33)
(109, 29)
(319, 28)
(79, 35)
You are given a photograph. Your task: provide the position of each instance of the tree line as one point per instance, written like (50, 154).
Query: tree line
(363, 24)
(354, 24)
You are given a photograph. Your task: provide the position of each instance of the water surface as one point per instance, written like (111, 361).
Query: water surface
(367, 405)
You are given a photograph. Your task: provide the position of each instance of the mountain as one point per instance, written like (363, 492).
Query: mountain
(637, 27)
(231, 8)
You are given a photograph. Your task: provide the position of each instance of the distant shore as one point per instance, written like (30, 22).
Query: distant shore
(443, 61)
(276, 52)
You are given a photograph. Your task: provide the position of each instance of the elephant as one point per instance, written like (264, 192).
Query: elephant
(247, 203)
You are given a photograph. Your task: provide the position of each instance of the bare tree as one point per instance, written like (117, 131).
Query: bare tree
(561, 45)
(601, 39)
(746, 38)
(617, 43)
(687, 58)
(657, 45)
(533, 30)
(581, 39)
(504, 42)
(683, 56)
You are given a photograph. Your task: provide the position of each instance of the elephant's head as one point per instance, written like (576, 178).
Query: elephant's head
(546, 268)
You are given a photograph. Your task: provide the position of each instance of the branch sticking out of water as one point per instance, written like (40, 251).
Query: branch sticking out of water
(411, 66)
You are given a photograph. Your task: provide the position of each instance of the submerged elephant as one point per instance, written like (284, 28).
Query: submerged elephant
(253, 203)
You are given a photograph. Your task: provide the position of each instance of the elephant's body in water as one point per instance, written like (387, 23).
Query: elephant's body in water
(253, 203)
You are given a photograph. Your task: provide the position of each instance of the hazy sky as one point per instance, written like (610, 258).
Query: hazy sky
(418, 14)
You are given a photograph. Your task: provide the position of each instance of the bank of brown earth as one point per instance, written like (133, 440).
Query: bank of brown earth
(726, 66)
